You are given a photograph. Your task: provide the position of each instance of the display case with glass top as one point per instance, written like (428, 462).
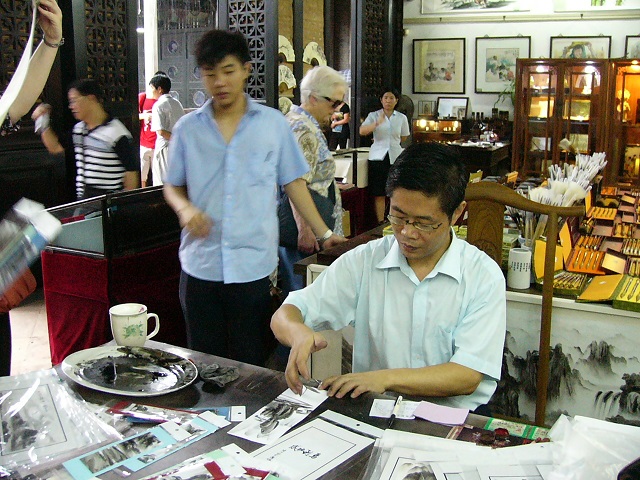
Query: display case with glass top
(559, 112)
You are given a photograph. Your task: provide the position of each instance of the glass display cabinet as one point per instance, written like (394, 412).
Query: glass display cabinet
(623, 121)
(559, 112)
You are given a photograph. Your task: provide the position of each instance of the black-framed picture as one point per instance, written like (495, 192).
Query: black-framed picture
(580, 47)
(496, 61)
(438, 65)
(632, 46)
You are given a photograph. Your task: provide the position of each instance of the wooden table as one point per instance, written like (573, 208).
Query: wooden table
(255, 388)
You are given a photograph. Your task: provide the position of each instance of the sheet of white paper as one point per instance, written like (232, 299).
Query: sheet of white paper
(409, 463)
(545, 471)
(314, 449)
(511, 472)
(384, 408)
(11, 93)
(273, 420)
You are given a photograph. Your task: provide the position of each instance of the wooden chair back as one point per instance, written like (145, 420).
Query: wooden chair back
(486, 204)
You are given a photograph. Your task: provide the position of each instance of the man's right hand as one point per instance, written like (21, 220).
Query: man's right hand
(305, 343)
(42, 109)
(195, 221)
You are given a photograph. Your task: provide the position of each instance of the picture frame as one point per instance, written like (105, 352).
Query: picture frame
(426, 108)
(471, 8)
(632, 46)
(580, 47)
(496, 61)
(439, 65)
(586, 6)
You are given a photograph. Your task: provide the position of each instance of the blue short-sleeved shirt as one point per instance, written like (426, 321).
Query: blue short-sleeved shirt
(236, 185)
(456, 314)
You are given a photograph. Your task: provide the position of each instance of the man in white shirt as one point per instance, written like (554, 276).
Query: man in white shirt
(429, 309)
(164, 115)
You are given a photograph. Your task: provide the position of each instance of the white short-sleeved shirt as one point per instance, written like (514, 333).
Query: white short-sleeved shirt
(387, 135)
(456, 314)
(164, 115)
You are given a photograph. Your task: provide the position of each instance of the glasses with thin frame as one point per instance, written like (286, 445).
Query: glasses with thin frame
(334, 103)
(423, 227)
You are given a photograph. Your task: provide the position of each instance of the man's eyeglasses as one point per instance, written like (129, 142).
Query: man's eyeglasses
(334, 103)
(423, 227)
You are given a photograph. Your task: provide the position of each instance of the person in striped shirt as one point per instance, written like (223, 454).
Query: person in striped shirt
(106, 160)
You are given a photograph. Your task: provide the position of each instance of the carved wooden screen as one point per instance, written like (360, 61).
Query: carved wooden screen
(377, 62)
(15, 20)
(111, 52)
(258, 21)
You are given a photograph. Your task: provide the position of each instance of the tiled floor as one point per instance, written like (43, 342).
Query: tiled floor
(29, 335)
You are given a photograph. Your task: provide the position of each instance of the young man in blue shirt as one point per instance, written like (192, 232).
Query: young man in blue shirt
(429, 309)
(226, 160)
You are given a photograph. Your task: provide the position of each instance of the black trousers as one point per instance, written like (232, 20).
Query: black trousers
(5, 345)
(228, 320)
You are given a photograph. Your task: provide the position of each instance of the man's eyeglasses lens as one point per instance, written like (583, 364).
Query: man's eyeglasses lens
(401, 222)
(334, 103)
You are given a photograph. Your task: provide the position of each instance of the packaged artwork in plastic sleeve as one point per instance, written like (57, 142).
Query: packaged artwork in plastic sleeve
(24, 232)
(43, 423)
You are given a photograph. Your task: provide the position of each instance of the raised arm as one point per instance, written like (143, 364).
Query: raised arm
(50, 20)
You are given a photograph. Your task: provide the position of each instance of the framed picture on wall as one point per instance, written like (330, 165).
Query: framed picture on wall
(632, 46)
(580, 47)
(496, 61)
(438, 65)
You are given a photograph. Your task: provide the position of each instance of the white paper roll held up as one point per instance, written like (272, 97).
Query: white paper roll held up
(519, 268)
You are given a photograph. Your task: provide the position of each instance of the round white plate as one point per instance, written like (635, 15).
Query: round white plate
(133, 371)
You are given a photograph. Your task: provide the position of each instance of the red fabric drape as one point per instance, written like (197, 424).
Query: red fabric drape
(77, 302)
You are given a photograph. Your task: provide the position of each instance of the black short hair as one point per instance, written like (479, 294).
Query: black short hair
(435, 169)
(214, 45)
(87, 86)
(161, 81)
(384, 90)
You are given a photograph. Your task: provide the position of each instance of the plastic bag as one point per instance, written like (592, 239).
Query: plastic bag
(43, 423)
(592, 449)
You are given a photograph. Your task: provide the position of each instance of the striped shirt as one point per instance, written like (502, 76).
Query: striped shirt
(103, 155)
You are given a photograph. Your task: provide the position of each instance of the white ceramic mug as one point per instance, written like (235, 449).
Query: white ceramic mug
(129, 324)
(519, 268)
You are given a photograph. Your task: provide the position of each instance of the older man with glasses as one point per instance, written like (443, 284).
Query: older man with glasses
(429, 309)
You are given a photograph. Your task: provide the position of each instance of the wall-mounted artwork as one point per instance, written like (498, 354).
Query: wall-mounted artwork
(595, 5)
(438, 65)
(594, 364)
(496, 61)
(632, 46)
(580, 47)
(457, 7)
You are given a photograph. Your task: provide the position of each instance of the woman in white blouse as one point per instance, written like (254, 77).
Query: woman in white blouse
(389, 128)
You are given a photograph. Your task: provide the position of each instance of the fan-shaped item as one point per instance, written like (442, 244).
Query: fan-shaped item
(312, 52)
(285, 75)
(285, 47)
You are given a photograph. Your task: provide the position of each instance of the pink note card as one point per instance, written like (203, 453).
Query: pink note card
(439, 414)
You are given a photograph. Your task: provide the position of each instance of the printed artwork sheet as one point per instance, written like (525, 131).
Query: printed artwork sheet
(37, 418)
(138, 451)
(229, 461)
(313, 449)
(406, 463)
(273, 420)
